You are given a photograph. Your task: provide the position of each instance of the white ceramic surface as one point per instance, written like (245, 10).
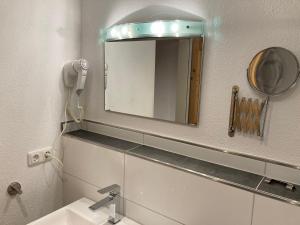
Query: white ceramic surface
(283, 173)
(184, 197)
(92, 163)
(147, 216)
(75, 188)
(78, 213)
(269, 211)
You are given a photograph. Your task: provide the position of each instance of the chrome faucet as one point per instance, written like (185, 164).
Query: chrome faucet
(113, 201)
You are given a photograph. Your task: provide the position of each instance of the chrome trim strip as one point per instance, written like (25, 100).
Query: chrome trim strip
(266, 160)
(262, 179)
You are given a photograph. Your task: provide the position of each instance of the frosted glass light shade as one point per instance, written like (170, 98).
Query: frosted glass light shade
(155, 29)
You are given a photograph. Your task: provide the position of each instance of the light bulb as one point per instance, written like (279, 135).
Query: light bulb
(175, 27)
(124, 30)
(158, 28)
(113, 32)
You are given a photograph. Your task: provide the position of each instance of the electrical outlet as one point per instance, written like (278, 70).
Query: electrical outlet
(38, 156)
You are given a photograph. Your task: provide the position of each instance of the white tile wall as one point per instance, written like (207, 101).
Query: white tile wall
(242, 163)
(160, 195)
(114, 132)
(185, 197)
(75, 188)
(283, 173)
(146, 216)
(93, 163)
(268, 211)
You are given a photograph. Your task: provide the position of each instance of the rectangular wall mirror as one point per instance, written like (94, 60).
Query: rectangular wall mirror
(156, 78)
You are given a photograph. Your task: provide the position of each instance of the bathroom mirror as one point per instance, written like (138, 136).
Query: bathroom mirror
(156, 75)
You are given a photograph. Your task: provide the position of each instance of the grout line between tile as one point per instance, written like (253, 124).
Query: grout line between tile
(252, 211)
(124, 177)
(124, 199)
(128, 150)
(83, 180)
(158, 213)
(262, 179)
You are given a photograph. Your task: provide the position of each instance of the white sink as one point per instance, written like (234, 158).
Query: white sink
(78, 213)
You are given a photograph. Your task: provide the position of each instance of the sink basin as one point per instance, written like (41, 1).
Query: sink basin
(78, 213)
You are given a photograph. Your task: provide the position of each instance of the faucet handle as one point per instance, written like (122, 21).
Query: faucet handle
(115, 189)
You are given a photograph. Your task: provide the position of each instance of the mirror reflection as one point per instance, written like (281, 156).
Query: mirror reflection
(273, 71)
(158, 79)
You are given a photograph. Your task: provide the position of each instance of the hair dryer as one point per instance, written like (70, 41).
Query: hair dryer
(74, 75)
(76, 72)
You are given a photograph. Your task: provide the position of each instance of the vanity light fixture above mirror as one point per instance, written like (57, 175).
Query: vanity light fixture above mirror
(155, 29)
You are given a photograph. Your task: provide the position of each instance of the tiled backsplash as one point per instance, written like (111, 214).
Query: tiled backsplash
(185, 197)
(155, 193)
(275, 170)
(267, 211)
(92, 163)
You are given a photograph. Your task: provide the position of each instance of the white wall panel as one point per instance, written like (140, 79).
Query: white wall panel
(185, 197)
(269, 211)
(93, 163)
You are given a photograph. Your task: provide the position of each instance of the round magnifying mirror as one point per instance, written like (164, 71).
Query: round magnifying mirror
(272, 72)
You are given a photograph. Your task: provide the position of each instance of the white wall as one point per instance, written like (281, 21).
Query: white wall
(36, 38)
(245, 28)
(126, 77)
